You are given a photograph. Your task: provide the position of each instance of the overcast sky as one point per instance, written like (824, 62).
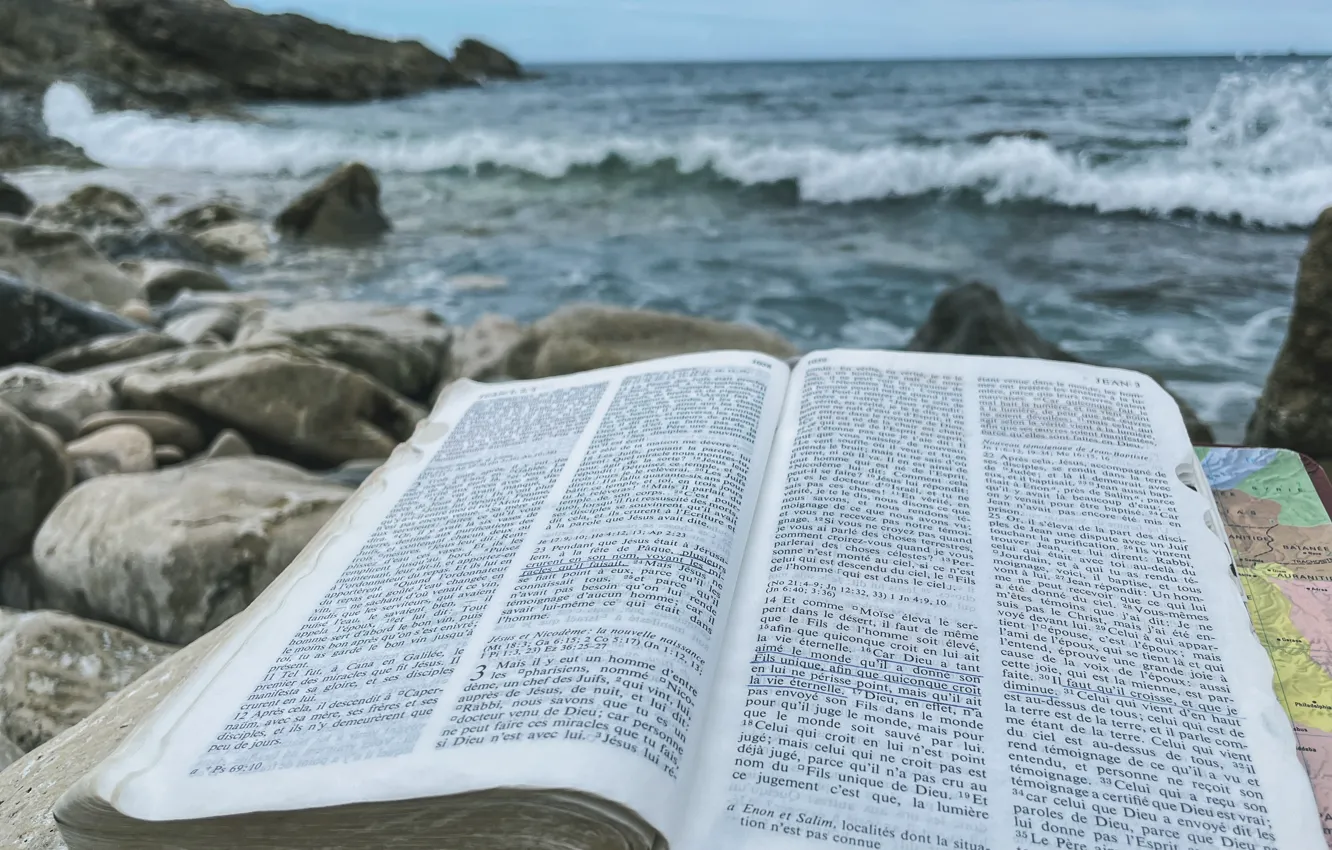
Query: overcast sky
(646, 30)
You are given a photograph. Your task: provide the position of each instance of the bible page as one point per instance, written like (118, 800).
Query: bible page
(980, 610)
(532, 593)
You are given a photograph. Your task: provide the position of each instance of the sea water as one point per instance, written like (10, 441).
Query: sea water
(1145, 213)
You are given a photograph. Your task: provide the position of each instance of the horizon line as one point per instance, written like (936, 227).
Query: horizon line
(814, 60)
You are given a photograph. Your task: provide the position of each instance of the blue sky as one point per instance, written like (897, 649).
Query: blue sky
(648, 30)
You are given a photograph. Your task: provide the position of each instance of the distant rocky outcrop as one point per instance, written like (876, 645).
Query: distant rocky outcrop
(1296, 404)
(275, 57)
(973, 319)
(480, 61)
(186, 56)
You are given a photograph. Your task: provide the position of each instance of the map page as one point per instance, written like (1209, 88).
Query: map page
(1281, 537)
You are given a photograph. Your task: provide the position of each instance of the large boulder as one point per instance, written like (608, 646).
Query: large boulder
(13, 202)
(973, 319)
(34, 474)
(286, 402)
(36, 323)
(109, 349)
(62, 262)
(54, 399)
(56, 669)
(480, 61)
(582, 337)
(404, 348)
(90, 208)
(172, 554)
(343, 209)
(1295, 409)
(276, 57)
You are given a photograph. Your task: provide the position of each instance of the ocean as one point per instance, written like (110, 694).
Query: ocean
(1144, 213)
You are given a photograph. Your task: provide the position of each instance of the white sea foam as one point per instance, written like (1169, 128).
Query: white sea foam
(1260, 150)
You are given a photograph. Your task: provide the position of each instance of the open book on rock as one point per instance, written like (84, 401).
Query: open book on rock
(715, 603)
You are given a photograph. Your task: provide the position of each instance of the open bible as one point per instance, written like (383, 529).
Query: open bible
(712, 602)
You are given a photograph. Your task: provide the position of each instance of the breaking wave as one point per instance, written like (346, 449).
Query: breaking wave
(1259, 152)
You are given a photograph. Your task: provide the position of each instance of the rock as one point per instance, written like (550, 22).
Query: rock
(404, 348)
(353, 473)
(342, 210)
(24, 138)
(9, 752)
(13, 201)
(234, 244)
(145, 243)
(136, 311)
(30, 788)
(172, 554)
(196, 327)
(19, 588)
(286, 402)
(190, 302)
(1295, 408)
(56, 669)
(973, 319)
(229, 443)
(168, 455)
(207, 216)
(34, 475)
(480, 61)
(582, 337)
(277, 57)
(90, 208)
(54, 399)
(109, 349)
(35, 323)
(115, 450)
(481, 351)
(163, 428)
(186, 357)
(61, 262)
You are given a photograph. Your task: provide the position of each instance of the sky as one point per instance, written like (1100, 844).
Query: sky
(549, 31)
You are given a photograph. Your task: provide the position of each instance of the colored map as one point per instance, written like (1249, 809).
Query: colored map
(1281, 536)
